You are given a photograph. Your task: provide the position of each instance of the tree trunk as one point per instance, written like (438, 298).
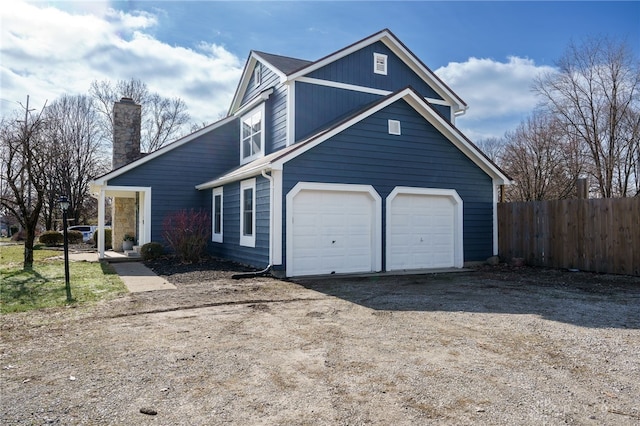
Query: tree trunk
(28, 249)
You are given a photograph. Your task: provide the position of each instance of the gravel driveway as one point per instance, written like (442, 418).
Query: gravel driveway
(493, 346)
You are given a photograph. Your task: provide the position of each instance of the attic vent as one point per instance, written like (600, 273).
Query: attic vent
(394, 127)
(380, 63)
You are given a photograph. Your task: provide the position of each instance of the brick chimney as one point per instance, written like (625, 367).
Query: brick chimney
(127, 117)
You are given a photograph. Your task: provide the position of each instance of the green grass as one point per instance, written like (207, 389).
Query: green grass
(44, 285)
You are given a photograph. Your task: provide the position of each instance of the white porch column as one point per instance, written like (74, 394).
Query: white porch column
(101, 242)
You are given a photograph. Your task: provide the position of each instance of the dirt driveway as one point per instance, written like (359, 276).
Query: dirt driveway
(494, 346)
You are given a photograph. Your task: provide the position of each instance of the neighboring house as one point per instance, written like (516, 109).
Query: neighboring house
(348, 164)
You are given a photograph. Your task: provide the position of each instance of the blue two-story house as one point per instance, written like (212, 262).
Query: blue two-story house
(348, 164)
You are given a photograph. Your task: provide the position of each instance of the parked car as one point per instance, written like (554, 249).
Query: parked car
(87, 231)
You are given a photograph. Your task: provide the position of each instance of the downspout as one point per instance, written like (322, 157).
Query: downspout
(266, 270)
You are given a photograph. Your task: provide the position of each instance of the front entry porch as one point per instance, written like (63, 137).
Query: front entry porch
(131, 215)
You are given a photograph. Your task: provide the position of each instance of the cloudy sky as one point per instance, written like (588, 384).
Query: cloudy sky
(487, 52)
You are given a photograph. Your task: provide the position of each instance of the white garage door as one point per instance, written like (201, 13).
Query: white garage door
(423, 230)
(331, 231)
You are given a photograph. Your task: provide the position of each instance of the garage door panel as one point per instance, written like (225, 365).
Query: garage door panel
(421, 231)
(332, 231)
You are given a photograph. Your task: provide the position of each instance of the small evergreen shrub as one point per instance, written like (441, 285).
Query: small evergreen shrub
(187, 233)
(75, 237)
(151, 251)
(51, 238)
(107, 238)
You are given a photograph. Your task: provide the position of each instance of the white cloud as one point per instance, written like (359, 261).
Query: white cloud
(498, 93)
(47, 52)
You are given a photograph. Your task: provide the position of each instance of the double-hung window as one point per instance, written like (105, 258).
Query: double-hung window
(248, 213)
(216, 225)
(252, 135)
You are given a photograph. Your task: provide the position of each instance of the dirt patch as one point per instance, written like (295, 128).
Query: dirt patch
(494, 346)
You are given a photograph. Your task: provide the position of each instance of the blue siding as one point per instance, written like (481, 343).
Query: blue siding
(421, 157)
(230, 248)
(269, 79)
(174, 175)
(317, 106)
(357, 68)
(276, 120)
(445, 111)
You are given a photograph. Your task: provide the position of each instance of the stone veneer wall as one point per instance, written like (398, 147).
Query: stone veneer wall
(124, 220)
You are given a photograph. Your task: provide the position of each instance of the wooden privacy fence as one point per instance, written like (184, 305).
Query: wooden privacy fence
(599, 235)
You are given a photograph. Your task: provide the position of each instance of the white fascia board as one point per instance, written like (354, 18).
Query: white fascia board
(102, 180)
(344, 86)
(243, 84)
(362, 89)
(244, 173)
(263, 96)
(456, 137)
(246, 77)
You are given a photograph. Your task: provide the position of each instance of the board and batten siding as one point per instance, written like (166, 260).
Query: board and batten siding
(421, 157)
(357, 69)
(230, 248)
(174, 175)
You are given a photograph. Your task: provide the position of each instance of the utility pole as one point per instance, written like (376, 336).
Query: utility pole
(27, 151)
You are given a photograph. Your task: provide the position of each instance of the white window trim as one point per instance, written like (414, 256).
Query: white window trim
(248, 240)
(260, 153)
(394, 127)
(376, 57)
(217, 237)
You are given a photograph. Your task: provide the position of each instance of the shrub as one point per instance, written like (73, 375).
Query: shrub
(19, 235)
(187, 233)
(75, 237)
(51, 238)
(107, 238)
(151, 251)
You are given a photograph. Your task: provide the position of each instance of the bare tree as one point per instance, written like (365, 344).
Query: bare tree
(24, 153)
(541, 160)
(76, 151)
(595, 94)
(163, 119)
(492, 147)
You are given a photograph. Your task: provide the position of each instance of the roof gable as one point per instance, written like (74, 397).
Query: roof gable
(276, 160)
(399, 49)
(290, 69)
(101, 180)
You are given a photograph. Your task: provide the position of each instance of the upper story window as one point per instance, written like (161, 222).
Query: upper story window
(380, 63)
(252, 135)
(217, 215)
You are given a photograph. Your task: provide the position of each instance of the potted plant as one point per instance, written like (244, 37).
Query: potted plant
(127, 242)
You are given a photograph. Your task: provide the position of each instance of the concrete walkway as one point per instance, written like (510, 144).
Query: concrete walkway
(135, 275)
(138, 277)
